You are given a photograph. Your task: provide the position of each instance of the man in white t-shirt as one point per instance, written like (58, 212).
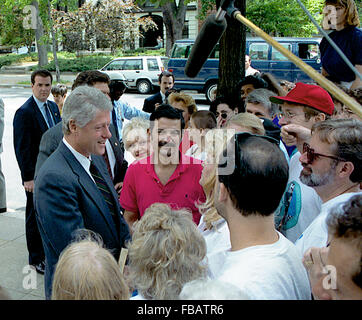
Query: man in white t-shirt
(332, 163)
(302, 107)
(261, 262)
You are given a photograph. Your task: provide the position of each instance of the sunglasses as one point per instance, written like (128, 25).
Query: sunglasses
(311, 155)
(239, 138)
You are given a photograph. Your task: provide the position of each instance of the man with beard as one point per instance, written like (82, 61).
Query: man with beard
(166, 176)
(302, 107)
(332, 164)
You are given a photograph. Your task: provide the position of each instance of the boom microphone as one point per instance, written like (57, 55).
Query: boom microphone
(208, 37)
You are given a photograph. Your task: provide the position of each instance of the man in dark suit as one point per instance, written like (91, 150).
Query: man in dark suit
(73, 189)
(166, 81)
(31, 120)
(117, 166)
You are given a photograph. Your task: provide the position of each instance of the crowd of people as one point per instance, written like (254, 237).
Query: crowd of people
(257, 198)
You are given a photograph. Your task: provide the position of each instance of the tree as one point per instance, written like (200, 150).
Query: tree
(276, 17)
(232, 55)
(112, 21)
(174, 14)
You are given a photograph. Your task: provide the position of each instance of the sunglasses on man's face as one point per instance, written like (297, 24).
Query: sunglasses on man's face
(312, 156)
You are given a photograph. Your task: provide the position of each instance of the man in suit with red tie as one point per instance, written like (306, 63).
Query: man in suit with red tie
(73, 189)
(31, 120)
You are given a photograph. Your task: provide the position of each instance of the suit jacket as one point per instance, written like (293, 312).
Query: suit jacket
(29, 126)
(66, 199)
(149, 103)
(50, 142)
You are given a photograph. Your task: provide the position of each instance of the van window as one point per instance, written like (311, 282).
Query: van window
(276, 55)
(308, 51)
(132, 64)
(258, 51)
(152, 65)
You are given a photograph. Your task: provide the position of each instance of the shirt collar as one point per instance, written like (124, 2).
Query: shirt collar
(39, 103)
(83, 160)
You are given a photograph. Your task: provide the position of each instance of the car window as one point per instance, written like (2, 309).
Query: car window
(258, 51)
(276, 55)
(152, 65)
(115, 65)
(133, 64)
(308, 51)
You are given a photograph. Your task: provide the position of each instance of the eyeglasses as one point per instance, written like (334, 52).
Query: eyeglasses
(239, 138)
(311, 155)
(288, 115)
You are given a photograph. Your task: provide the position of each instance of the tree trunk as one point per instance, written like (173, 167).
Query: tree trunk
(232, 55)
(54, 40)
(39, 37)
(174, 20)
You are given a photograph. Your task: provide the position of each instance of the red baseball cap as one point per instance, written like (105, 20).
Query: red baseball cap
(309, 95)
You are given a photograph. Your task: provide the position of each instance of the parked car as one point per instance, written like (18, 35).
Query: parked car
(263, 56)
(141, 72)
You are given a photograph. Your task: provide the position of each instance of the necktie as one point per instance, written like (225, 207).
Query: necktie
(48, 115)
(103, 188)
(106, 159)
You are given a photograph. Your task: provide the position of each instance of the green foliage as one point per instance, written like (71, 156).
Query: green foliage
(8, 59)
(78, 64)
(277, 17)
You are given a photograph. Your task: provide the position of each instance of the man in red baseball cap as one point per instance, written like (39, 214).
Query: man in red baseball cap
(302, 107)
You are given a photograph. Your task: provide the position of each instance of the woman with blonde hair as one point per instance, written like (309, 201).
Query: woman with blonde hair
(246, 122)
(212, 226)
(136, 138)
(166, 252)
(183, 102)
(87, 271)
(342, 15)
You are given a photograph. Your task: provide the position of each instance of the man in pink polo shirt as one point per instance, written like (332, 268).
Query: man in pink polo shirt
(166, 176)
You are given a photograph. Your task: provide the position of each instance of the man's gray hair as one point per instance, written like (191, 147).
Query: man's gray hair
(261, 96)
(82, 106)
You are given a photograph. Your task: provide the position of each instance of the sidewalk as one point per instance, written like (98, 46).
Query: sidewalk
(19, 281)
(10, 76)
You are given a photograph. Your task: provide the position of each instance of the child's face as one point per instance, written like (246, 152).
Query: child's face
(59, 99)
(138, 143)
(194, 132)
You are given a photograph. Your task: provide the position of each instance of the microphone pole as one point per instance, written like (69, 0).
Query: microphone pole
(228, 7)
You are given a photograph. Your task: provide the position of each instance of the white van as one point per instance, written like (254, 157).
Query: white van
(141, 72)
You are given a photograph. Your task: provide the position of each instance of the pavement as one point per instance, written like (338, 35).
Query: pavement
(17, 278)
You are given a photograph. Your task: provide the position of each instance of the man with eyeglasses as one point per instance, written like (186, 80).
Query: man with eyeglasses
(261, 261)
(302, 107)
(332, 166)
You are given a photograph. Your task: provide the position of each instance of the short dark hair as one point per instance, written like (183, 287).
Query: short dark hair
(90, 77)
(256, 81)
(166, 111)
(59, 89)
(165, 74)
(116, 86)
(204, 119)
(260, 175)
(232, 102)
(345, 222)
(42, 73)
